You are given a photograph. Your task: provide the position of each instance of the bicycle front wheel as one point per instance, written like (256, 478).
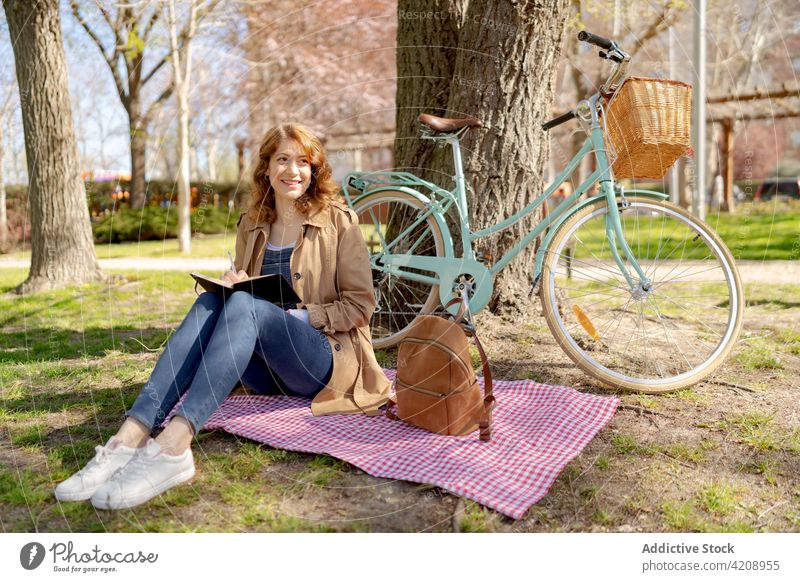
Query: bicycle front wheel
(392, 222)
(655, 338)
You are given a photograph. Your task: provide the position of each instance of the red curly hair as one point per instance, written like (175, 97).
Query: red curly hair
(322, 189)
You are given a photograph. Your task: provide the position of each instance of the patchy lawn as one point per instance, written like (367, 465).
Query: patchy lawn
(722, 456)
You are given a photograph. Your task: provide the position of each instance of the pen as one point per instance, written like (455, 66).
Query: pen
(233, 267)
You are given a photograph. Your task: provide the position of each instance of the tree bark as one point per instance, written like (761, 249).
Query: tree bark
(181, 75)
(426, 57)
(61, 236)
(504, 75)
(138, 131)
(211, 156)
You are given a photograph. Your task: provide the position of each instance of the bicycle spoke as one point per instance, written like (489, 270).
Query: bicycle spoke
(410, 231)
(647, 336)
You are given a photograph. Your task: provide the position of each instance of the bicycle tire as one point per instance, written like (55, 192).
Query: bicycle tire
(399, 300)
(659, 364)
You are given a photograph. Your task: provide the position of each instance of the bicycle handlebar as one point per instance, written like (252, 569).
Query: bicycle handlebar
(595, 40)
(612, 52)
(564, 117)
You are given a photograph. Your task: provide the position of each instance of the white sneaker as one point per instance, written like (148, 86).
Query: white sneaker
(83, 484)
(149, 473)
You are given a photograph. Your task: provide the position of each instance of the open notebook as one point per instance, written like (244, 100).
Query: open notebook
(274, 288)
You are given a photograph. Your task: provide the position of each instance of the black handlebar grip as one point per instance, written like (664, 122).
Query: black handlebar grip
(558, 120)
(595, 40)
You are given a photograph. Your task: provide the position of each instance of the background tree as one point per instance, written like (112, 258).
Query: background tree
(336, 76)
(130, 29)
(62, 250)
(7, 104)
(506, 55)
(181, 58)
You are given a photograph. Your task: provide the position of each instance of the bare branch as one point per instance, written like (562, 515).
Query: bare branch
(155, 105)
(155, 69)
(110, 59)
(149, 26)
(207, 9)
(665, 19)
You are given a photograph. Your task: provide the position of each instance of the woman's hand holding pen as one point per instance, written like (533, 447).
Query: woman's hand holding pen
(234, 277)
(231, 276)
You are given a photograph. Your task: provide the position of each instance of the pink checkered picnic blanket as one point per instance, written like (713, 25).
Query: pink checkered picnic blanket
(537, 430)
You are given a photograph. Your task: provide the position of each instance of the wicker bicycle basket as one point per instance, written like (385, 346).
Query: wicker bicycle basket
(649, 126)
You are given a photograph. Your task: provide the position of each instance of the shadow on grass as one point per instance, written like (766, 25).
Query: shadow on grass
(105, 402)
(48, 344)
(7, 291)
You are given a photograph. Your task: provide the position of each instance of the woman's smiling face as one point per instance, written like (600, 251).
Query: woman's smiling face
(289, 170)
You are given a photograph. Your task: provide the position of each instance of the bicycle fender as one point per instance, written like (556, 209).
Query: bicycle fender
(447, 238)
(537, 272)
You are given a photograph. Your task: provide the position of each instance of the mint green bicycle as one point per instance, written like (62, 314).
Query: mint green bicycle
(639, 293)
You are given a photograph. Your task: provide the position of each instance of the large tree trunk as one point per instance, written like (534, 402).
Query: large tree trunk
(426, 57)
(503, 75)
(61, 237)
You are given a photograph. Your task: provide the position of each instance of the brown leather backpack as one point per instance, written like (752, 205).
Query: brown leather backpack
(435, 387)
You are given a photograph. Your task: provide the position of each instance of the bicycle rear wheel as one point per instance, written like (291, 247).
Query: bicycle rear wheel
(388, 223)
(664, 338)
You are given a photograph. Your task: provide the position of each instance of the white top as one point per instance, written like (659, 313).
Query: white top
(272, 247)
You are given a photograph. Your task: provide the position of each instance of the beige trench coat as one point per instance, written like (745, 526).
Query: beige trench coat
(331, 274)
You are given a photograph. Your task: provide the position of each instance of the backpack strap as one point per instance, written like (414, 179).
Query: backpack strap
(389, 404)
(488, 396)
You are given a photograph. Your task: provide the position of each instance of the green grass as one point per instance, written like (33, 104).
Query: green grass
(624, 444)
(768, 468)
(72, 360)
(603, 462)
(760, 431)
(215, 246)
(681, 516)
(718, 498)
(91, 320)
(212, 245)
(759, 355)
(748, 235)
(477, 519)
(686, 453)
(790, 340)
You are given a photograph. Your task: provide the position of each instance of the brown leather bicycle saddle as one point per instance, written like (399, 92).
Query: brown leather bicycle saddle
(444, 124)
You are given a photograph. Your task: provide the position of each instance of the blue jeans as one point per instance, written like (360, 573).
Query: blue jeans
(220, 343)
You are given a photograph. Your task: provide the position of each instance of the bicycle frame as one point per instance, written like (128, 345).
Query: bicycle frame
(449, 267)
